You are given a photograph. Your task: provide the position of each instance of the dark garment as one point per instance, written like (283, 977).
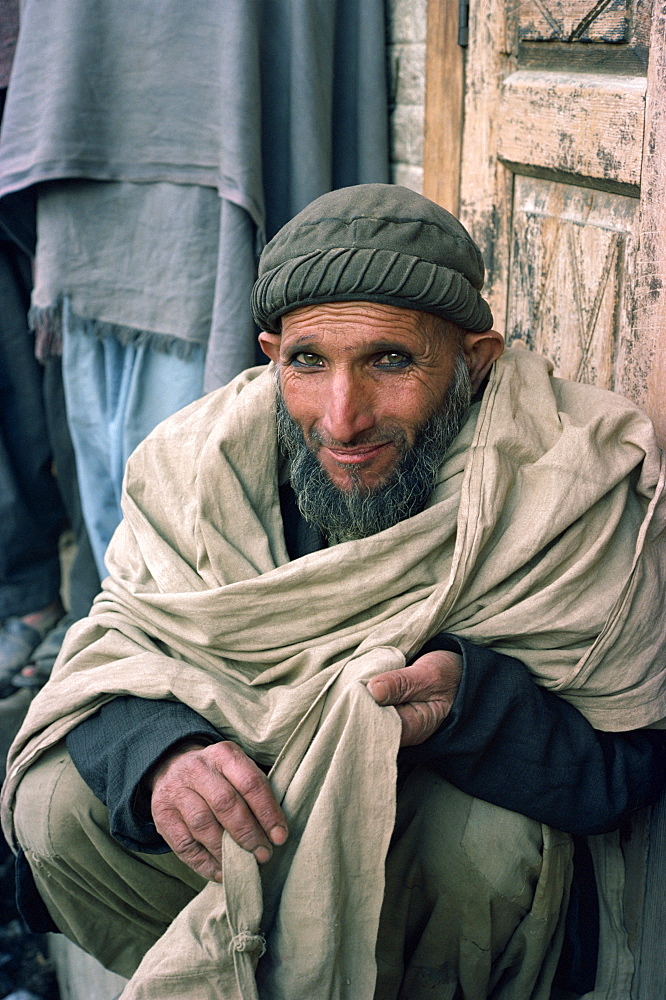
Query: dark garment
(510, 742)
(35, 442)
(31, 511)
(34, 438)
(137, 732)
(18, 211)
(9, 29)
(35, 504)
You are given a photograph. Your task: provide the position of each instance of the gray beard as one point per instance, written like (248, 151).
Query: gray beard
(342, 515)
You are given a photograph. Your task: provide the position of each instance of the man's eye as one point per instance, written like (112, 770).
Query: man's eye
(393, 359)
(307, 360)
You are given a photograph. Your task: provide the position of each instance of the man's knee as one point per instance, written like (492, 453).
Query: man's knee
(54, 809)
(113, 902)
(464, 845)
(469, 886)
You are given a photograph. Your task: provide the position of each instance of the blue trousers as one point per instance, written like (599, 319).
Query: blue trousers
(116, 394)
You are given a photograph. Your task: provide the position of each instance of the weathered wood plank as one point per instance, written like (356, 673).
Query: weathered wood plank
(574, 20)
(580, 123)
(443, 106)
(644, 353)
(642, 364)
(567, 296)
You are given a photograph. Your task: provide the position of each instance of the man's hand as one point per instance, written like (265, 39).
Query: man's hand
(421, 693)
(198, 792)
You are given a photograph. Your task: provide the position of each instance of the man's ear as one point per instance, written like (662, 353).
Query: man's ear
(481, 350)
(270, 345)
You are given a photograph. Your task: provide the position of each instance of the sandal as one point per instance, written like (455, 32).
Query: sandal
(38, 670)
(17, 643)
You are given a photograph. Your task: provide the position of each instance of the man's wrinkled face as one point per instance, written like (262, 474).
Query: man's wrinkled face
(361, 379)
(372, 396)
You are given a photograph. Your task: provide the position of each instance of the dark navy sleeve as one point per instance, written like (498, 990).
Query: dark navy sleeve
(115, 748)
(510, 742)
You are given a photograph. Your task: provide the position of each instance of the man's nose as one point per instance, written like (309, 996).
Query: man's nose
(348, 409)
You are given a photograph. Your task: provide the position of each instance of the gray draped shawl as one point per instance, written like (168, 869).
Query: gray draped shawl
(264, 103)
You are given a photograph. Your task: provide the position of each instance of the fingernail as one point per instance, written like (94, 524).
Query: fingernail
(279, 834)
(262, 854)
(379, 691)
(217, 877)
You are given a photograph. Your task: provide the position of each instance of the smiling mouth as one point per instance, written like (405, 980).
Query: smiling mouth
(358, 455)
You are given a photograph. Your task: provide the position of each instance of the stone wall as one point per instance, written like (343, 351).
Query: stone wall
(406, 37)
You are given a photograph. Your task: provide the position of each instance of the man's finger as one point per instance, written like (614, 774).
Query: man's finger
(207, 788)
(235, 816)
(173, 828)
(253, 791)
(430, 676)
(392, 688)
(216, 806)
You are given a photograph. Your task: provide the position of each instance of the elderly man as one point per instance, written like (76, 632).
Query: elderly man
(380, 624)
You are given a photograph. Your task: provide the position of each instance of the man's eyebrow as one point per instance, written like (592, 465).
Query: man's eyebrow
(302, 343)
(311, 343)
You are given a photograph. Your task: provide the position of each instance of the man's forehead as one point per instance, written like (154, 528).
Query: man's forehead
(353, 322)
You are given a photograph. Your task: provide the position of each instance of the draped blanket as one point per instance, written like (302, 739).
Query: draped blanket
(545, 537)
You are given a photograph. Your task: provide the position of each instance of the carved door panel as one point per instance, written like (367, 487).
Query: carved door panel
(561, 171)
(569, 293)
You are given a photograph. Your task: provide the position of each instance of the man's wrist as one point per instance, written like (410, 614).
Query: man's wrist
(176, 749)
(144, 790)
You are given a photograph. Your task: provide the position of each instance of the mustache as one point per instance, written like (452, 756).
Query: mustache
(378, 435)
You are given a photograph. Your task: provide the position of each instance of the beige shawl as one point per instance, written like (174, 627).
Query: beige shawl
(545, 538)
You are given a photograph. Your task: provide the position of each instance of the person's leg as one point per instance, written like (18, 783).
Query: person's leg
(92, 377)
(473, 907)
(83, 579)
(159, 384)
(112, 902)
(82, 582)
(31, 511)
(116, 394)
(474, 902)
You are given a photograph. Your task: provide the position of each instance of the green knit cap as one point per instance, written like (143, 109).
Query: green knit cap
(373, 243)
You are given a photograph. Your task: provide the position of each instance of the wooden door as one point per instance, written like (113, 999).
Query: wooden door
(546, 133)
(554, 153)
